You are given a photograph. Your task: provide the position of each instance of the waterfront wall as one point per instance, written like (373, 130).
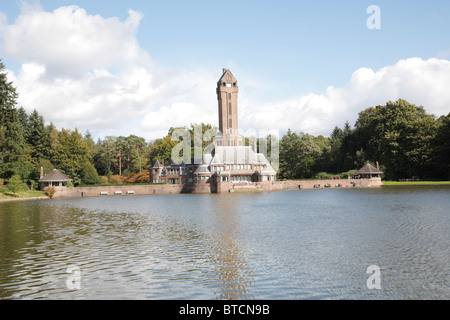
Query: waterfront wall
(127, 190)
(310, 184)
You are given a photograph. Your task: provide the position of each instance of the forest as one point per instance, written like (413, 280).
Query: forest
(407, 142)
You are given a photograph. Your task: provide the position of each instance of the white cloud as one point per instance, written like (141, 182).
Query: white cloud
(89, 72)
(421, 82)
(85, 71)
(69, 42)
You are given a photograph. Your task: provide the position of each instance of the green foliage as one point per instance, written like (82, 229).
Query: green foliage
(398, 135)
(11, 132)
(405, 140)
(162, 149)
(441, 148)
(72, 156)
(349, 173)
(297, 155)
(323, 175)
(16, 184)
(37, 136)
(89, 174)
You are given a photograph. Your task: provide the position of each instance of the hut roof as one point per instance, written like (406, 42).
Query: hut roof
(54, 175)
(368, 169)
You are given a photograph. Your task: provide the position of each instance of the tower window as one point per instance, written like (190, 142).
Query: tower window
(229, 107)
(231, 123)
(228, 85)
(229, 96)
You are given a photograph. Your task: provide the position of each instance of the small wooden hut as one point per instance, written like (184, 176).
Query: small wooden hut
(368, 171)
(55, 178)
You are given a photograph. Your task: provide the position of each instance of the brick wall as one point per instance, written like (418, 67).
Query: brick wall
(210, 188)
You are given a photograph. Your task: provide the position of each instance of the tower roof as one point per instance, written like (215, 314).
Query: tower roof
(157, 164)
(227, 76)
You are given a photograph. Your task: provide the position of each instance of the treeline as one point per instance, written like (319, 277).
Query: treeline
(407, 143)
(405, 140)
(27, 144)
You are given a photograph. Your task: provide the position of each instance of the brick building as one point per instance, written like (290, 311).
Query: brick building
(230, 164)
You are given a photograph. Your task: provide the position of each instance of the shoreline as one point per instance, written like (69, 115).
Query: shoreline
(415, 185)
(294, 182)
(24, 199)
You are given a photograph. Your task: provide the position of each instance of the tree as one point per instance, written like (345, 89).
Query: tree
(22, 116)
(297, 155)
(322, 162)
(131, 150)
(162, 149)
(399, 135)
(37, 136)
(15, 184)
(72, 156)
(105, 156)
(11, 133)
(89, 174)
(441, 149)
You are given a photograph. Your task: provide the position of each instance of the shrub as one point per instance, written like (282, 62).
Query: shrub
(89, 175)
(15, 184)
(349, 173)
(104, 179)
(139, 177)
(323, 175)
(50, 191)
(116, 179)
(33, 185)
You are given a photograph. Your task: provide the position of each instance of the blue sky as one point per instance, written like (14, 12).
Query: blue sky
(280, 51)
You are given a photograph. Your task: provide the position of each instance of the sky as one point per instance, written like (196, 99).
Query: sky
(140, 67)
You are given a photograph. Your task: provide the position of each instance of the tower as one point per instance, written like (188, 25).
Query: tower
(227, 94)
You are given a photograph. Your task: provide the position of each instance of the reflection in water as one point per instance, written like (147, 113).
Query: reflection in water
(235, 276)
(283, 245)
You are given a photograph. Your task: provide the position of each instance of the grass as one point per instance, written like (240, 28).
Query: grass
(414, 183)
(22, 194)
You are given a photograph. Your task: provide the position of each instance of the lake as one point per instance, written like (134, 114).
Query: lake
(308, 244)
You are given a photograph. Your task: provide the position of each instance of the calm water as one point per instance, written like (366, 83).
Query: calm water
(309, 244)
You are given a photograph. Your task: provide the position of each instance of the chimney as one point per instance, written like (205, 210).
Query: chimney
(378, 166)
(224, 70)
(42, 173)
(163, 163)
(254, 145)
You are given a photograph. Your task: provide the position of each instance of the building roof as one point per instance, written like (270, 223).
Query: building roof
(368, 169)
(239, 155)
(202, 169)
(232, 155)
(228, 76)
(157, 164)
(54, 175)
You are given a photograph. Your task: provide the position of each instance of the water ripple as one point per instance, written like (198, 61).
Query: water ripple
(286, 245)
